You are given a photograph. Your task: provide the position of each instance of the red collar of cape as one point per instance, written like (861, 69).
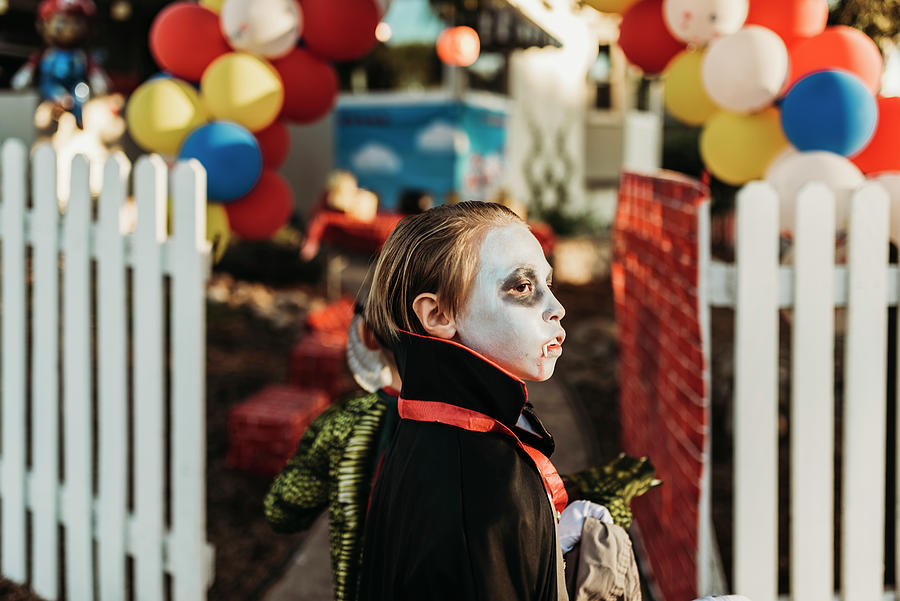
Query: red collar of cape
(448, 383)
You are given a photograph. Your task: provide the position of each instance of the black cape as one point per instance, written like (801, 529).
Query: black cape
(457, 514)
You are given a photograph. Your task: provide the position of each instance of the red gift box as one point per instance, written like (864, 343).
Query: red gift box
(319, 360)
(263, 431)
(334, 317)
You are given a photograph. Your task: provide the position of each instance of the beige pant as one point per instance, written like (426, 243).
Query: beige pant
(602, 566)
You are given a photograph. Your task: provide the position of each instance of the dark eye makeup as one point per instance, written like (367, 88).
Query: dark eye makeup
(523, 287)
(520, 287)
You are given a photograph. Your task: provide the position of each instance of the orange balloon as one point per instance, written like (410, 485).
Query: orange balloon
(791, 19)
(274, 144)
(310, 86)
(645, 39)
(881, 153)
(458, 46)
(185, 38)
(838, 47)
(264, 210)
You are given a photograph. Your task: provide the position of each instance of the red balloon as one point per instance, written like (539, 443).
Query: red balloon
(838, 47)
(458, 46)
(310, 86)
(881, 153)
(645, 39)
(186, 37)
(339, 30)
(274, 143)
(264, 210)
(791, 19)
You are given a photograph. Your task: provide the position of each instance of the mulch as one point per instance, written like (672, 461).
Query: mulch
(10, 591)
(251, 329)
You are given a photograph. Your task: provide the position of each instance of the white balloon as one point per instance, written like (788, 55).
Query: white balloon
(745, 71)
(270, 28)
(792, 170)
(699, 21)
(891, 183)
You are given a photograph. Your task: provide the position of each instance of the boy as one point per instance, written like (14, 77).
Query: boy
(466, 502)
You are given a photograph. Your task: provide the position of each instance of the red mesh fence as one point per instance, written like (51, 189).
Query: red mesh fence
(664, 405)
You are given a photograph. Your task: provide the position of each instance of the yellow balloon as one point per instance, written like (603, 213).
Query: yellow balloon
(610, 6)
(684, 95)
(243, 88)
(213, 5)
(218, 231)
(737, 148)
(162, 112)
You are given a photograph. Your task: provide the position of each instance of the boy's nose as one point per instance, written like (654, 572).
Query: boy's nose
(555, 310)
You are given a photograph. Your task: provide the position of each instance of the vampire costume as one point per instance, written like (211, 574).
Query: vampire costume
(461, 507)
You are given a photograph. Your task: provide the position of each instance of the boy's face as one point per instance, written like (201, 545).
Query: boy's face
(511, 316)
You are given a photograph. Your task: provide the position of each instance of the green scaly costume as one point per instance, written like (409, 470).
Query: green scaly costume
(337, 459)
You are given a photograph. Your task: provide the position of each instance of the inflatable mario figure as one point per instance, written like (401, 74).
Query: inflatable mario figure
(66, 74)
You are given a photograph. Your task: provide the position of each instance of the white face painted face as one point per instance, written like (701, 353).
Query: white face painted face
(699, 21)
(511, 316)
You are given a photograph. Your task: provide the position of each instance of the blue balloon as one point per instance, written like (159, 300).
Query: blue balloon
(231, 156)
(830, 110)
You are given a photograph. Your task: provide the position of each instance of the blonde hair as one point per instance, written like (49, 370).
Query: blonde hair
(435, 251)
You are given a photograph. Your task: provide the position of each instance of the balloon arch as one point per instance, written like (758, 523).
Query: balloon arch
(234, 74)
(779, 94)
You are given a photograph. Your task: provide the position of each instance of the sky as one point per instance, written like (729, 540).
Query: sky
(412, 21)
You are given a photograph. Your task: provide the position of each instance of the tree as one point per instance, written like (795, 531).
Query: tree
(879, 19)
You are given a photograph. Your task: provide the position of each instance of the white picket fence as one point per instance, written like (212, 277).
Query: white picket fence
(757, 286)
(102, 534)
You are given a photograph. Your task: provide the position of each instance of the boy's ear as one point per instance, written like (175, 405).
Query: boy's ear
(434, 319)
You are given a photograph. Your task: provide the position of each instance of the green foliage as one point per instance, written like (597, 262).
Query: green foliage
(566, 224)
(274, 262)
(879, 19)
(548, 174)
(681, 149)
(396, 68)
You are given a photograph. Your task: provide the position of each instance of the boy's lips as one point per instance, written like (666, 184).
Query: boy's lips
(553, 348)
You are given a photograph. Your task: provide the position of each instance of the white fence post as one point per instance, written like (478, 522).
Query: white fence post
(78, 515)
(710, 575)
(756, 394)
(863, 487)
(149, 377)
(100, 534)
(112, 390)
(14, 189)
(188, 327)
(812, 396)
(44, 370)
(895, 237)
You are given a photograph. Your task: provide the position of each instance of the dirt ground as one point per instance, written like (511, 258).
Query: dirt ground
(14, 592)
(248, 347)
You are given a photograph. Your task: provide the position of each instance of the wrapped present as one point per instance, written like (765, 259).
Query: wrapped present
(319, 360)
(263, 431)
(345, 233)
(334, 317)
